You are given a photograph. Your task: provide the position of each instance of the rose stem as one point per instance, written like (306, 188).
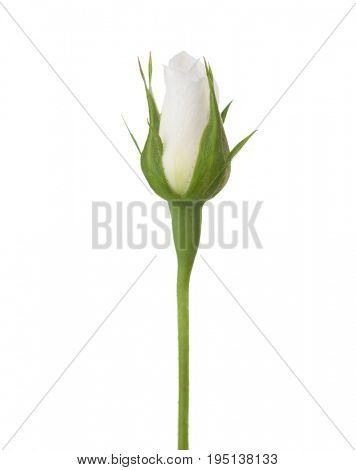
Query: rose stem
(186, 222)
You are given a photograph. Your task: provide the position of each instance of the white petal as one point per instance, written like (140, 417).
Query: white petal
(182, 62)
(184, 116)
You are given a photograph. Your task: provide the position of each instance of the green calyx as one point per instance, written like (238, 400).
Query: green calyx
(213, 164)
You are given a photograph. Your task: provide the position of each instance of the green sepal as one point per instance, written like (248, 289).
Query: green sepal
(154, 116)
(132, 136)
(151, 156)
(239, 146)
(151, 164)
(150, 70)
(224, 111)
(234, 151)
(212, 168)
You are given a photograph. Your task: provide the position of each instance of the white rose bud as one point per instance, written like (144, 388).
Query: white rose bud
(186, 155)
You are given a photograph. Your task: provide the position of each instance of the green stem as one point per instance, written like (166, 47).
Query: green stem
(183, 358)
(186, 222)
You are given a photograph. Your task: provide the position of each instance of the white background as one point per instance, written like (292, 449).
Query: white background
(120, 395)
